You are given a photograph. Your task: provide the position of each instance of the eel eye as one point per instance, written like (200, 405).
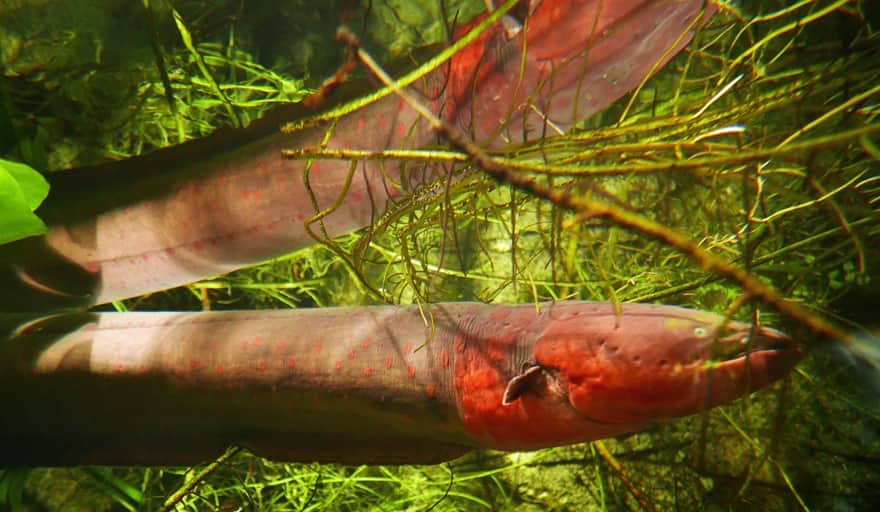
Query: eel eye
(700, 332)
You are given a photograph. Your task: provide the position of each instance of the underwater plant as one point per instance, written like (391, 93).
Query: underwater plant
(752, 154)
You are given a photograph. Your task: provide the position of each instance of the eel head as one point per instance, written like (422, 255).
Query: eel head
(579, 371)
(651, 362)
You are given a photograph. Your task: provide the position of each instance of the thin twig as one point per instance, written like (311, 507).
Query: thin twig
(594, 208)
(196, 478)
(618, 469)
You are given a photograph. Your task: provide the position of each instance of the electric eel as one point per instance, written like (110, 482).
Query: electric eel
(230, 200)
(380, 385)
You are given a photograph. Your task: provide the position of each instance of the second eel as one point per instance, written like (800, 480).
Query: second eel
(230, 200)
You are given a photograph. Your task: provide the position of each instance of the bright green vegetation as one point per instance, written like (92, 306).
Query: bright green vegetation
(788, 194)
(22, 189)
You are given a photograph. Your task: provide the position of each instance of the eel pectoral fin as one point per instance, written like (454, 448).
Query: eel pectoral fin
(527, 380)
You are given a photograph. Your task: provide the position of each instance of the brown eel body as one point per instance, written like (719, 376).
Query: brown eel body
(385, 384)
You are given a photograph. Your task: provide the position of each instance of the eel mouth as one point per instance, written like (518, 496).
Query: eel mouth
(748, 360)
(716, 370)
(749, 342)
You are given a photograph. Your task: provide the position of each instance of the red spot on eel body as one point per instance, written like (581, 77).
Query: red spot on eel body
(317, 347)
(219, 369)
(257, 342)
(389, 362)
(362, 123)
(352, 354)
(291, 362)
(365, 344)
(368, 371)
(193, 364)
(444, 358)
(407, 348)
(261, 366)
(430, 391)
(410, 371)
(338, 365)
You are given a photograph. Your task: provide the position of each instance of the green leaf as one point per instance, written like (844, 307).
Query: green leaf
(22, 189)
(33, 185)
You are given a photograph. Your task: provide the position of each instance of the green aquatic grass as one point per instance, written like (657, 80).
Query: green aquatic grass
(791, 199)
